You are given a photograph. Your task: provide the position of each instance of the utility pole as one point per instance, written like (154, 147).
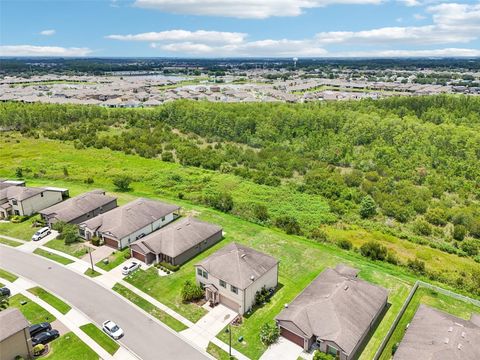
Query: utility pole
(229, 331)
(91, 260)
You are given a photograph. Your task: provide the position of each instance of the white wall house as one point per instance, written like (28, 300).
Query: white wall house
(26, 201)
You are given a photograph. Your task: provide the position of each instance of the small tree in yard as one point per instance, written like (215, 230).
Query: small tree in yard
(269, 333)
(122, 182)
(368, 208)
(318, 355)
(70, 234)
(191, 291)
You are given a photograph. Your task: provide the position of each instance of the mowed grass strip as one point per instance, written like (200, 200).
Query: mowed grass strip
(217, 352)
(150, 308)
(9, 242)
(100, 338)
(92, 273)
(433, 299)
(77, 249)
(4, 274)
(33, 312)
(50, 299)
(52, 256)
(69, 346)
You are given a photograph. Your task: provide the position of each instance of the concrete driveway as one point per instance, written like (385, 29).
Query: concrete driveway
(30, 246)
(210, 325)
(283, 349)
(99, 253)
(144, 336)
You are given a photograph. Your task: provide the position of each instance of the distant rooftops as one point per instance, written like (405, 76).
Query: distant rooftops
(238, 265)
(436, 335)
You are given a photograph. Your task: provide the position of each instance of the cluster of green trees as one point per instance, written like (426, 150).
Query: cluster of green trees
(412, 163)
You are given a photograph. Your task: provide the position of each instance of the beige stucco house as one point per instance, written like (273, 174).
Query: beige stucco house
(233, 275)
(14, 335)
(26, 201)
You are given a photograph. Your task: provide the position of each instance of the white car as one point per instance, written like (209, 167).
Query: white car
(128, 269)
(40, 234)
(112, 329)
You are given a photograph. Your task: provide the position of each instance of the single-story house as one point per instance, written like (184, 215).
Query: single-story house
(125, 224)
(336, 311)
(177, 242)
(433, 334)
(14, 335)
(79, 208)
(7, 183)
(26, 201)
(233, 275)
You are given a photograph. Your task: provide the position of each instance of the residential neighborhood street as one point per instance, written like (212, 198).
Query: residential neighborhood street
(145, 337)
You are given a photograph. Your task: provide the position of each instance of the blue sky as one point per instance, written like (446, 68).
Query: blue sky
(232, 28)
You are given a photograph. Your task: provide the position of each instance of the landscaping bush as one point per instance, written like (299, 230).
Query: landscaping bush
(262, 296)
(269, 333)
(38, 349)
(289, 224)
(127, 255)
(374, 250)
(169, 266)
(318, 355)
(191, 291)
(70, 234)
(18, 219)
(122, 183)
(344, 244)
(96, 241)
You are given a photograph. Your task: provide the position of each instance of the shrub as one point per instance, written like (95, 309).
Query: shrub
(459, 232)
(127, 255)
(319, 355)
(19, 172)
(260, 212)
(169, 266)
(70, 234)
(319, 235)
(88, 180)
(122, 182)
(167, 156)
(289, 224)
(374, 250)
(436, 216)
(269, 333)
(38, 349)
(18, 218)
(222, 201)
(96, 241)
(470, 247)
(392, 258)
(345, 244)
(368, 208)
(261, 296)
(191, 291)
(421, 227)
(417, 266)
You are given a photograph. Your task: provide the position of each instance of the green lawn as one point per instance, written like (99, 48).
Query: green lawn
(69, 346)
(114, 260)
(100, 338)
(52, 256)
(10, 242)
(217, 352)
(150, 308)
(4, 274)
(77, 249)
(22, 231)
(434, 299)
(92, 273)
(31, 310)
(51, 299)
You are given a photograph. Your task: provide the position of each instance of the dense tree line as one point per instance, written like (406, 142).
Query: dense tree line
(414, 160)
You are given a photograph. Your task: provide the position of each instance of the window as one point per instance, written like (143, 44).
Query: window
(223, 284)
(332, 350)
(41, 194)
(199, 272)
(163, 218)
(14, 202)
(205, 275)
(234, 289)
(17, 212)
(202, 285)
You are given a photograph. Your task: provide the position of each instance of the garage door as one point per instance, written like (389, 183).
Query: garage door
(229, 303)
(138, 256)
(291, 336)
(111, 242)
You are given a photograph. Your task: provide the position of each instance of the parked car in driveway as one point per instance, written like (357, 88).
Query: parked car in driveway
(45, 337)
(128, 269)
(4, 291)
(39, 328)
(40, 234)
(112, 329)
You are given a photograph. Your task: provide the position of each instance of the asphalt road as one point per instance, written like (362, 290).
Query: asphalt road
(145, 337)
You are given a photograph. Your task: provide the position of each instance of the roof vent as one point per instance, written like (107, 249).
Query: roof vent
(463, 334)
(243, 256)
(450, 329)
(286, 306)
(459, 347)
(252, 278)
(345, 288)
(446, 341)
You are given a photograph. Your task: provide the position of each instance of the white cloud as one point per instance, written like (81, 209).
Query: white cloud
(419, 17)
(48, 32)
(217, 37)
(256, 9)
(32, 50)
(448, 52)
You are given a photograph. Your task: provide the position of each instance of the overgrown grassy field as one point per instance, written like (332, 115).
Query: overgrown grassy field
(77, 249)
(100, 338)
(69, 346)
(33, 312)
(51, 299)
(434, 299)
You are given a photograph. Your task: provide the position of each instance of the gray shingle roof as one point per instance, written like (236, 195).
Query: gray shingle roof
(237, 264)
(176, 238)
(12, 321)
(336, 306)
(77, 206)
(19, 193)
(124, 220)
(436, 335)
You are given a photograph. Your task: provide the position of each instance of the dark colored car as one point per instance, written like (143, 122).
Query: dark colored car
(4, 291)
(39, 328)
(45, 337)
